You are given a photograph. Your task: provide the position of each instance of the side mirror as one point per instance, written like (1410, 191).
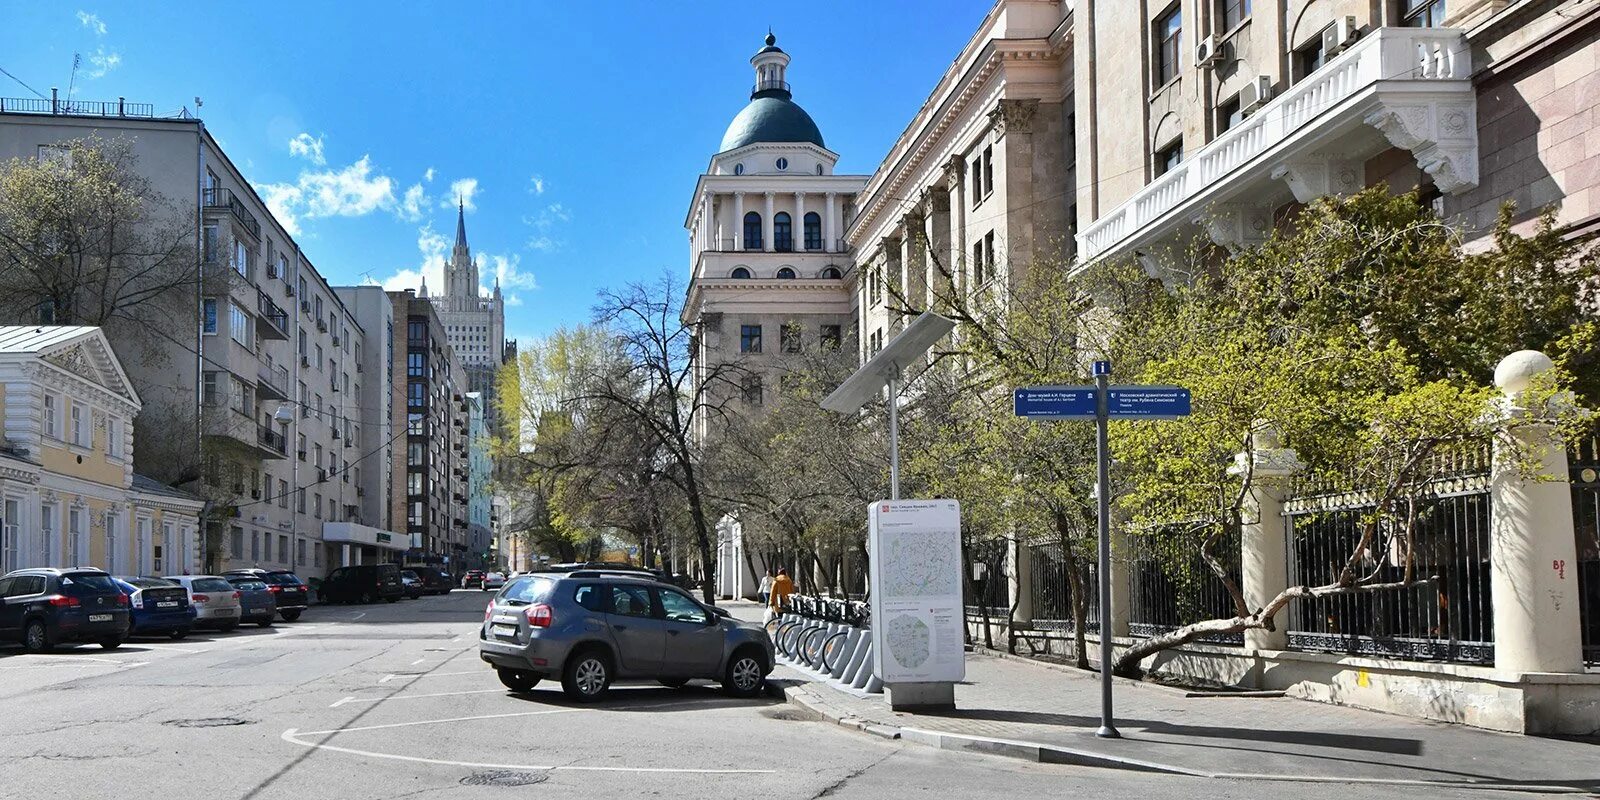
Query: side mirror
(720, 612)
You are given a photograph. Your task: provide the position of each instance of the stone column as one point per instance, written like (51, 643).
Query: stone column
(1263, 535)
(912, 270)
(766, 227)
(1533, 580)
(955, 172)
(706, 242)
(738, 221)
(829, 235)
(798, 226)
(1019, 580)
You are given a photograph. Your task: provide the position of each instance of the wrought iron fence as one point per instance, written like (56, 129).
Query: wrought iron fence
(992, 594)
(1585, 466)
(1449, 618)
(1052, 590)
(1172, 586)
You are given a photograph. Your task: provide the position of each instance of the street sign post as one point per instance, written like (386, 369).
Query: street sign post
(1102, 403)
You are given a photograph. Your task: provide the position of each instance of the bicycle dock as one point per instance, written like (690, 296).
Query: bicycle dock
(828, 639)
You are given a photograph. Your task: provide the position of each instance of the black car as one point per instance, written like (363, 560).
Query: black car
(291, 593)
(411, 583)
(44, 607)
(434, 580)
(363, 583)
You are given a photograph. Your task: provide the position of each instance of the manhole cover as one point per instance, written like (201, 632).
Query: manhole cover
(787, 714)
(207, 722)
(504, 778)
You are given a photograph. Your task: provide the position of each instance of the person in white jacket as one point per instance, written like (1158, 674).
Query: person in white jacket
(765, 589)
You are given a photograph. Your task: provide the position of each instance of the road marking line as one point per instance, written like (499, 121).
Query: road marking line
(412, 696)
(292, 736)
(357, 614)
(418, 661)
(391, 676)
(440, 721)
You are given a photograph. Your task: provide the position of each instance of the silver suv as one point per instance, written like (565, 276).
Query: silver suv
(589, 627)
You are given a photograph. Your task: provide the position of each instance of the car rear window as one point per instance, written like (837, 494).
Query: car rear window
(148, 583)
(248, 584)
(527, 590)
(88, 582)
(212, 585)
(283, 579)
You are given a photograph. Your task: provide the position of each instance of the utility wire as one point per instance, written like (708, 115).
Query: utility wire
(24, 85)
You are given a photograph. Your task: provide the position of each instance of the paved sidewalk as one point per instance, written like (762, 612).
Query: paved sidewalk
(1020, 708)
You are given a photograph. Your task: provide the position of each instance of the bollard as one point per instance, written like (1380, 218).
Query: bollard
(851, 638)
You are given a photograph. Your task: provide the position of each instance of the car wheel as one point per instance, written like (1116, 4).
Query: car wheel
(36, 638)
(229, 627)
(674, 683)
(289, 616)
(111, 644)
(516, 680)
(366, 598)
(392, 599)
(745, 674)
(587, 676)
(178, 633)
(264, 623)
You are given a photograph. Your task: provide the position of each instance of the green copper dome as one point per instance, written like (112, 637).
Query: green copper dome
(771, 117)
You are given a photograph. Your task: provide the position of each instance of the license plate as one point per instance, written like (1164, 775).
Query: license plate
(168, 604)
(505, 630)
(99, 617)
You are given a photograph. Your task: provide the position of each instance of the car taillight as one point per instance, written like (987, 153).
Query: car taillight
(541, 615)
(202, 598)
(488, 611)
(124, 600)
(274, 589)
(63, 601)
(236, 595)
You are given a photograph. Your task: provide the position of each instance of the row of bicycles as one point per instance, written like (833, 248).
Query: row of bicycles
(813, 629)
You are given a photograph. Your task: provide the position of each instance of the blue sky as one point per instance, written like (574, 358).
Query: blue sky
(576, 128)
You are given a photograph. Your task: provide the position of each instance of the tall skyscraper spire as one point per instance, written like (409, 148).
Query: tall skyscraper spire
(461, 223)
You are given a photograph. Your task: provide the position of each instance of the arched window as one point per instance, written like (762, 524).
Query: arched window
(813, 230)
(782, 232)
(783, 164)
(738, 169)
(752, 231)
(831, 273)
(786, 273)
(740, 273)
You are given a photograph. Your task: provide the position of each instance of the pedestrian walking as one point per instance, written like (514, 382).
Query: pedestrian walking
(765, 589)
(782, 587)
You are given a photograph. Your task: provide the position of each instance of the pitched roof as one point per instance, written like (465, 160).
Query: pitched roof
(38, 338)
(80, 349)
(148, 485)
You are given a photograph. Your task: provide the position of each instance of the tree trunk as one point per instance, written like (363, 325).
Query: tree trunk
(1079, 601)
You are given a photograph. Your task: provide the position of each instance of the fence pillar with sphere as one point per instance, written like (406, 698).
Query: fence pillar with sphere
(1532, 545)
(1264, 531)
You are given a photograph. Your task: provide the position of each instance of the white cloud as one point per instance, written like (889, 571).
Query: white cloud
(351, 191)
(507, 270)
(304, 146)
(414, 204)
(102, 62)
(428, 176)
(536, 184)
(462, 191)
(543, 244)
(92, 22)
(513, 300)
(433, 248)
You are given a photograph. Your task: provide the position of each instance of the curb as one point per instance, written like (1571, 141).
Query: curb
(799, 694)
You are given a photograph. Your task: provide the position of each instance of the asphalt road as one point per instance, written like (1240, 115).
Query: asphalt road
(391, 701)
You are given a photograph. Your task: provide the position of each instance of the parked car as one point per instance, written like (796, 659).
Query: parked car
(411, 583)
(289, 593)
(363, 583)
(44, 607)
(587, 628)
(158, 606)
(216, 603)
(434, 580)
(256, 600)
(493, 581)
(473, 579)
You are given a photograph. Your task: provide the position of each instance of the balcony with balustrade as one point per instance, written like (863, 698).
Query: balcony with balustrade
(1409, 88)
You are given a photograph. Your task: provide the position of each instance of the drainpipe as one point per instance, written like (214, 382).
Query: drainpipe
(1087, 10)
(199, 306)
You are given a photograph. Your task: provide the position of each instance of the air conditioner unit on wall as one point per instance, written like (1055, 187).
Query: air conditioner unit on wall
(1255, 94)
(1208, 53)
(1339, 35)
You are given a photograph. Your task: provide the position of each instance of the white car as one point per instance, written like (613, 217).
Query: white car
(493, 581)
(216, 602)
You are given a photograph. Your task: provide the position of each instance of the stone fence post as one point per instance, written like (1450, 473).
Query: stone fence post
(1019, 580)
(1533, 555)
(1263, 534)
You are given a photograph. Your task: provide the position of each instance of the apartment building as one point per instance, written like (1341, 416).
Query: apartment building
(480, 512)
(434, 461)
(255, 402)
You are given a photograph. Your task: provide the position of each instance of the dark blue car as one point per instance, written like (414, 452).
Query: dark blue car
(159, 607)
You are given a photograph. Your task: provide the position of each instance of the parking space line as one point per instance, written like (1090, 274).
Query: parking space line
(293, 737)
(418, 661)
(354, 699)
(441, 721)
(391, 676)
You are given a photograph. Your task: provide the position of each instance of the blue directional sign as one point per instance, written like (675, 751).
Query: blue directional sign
(1122, 402)
(1054, 402)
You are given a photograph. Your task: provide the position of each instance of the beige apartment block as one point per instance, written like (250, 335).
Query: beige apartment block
(255, 401)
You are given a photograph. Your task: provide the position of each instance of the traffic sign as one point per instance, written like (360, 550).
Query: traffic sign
(1122, 402)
